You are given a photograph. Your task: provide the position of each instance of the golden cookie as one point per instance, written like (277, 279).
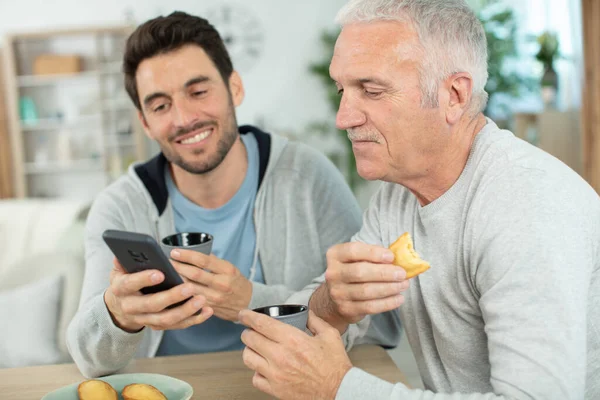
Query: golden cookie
(141, 391)
(406, 257)
(95, 389)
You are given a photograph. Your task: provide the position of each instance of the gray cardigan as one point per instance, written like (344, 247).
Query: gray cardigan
(303, 206)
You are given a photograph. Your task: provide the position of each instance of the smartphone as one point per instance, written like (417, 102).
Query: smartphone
(138, 252)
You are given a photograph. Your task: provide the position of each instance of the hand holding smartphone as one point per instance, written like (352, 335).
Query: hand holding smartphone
(138, 252)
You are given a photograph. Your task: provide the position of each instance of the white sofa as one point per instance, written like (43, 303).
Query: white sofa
(41, 270)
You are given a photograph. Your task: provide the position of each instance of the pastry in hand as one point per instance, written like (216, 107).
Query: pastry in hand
(142, 391)
(95, 389)
(406, 257)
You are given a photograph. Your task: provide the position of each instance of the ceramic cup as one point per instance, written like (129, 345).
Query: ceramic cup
(291, 314)
(197, 241)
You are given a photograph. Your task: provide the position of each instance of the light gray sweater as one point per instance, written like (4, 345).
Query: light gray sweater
(303, 207)
(510, 308)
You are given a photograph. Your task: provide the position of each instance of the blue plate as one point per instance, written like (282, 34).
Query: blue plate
(173, 389)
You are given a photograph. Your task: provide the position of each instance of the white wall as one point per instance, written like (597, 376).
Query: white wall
(280, 92)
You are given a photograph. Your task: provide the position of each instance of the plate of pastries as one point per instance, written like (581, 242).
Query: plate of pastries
(125, 387)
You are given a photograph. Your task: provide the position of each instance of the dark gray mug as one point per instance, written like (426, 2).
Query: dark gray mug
(197, 241)
(291, 314)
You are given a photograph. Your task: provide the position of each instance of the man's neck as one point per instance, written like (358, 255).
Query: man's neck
(217, 187)
(449, 166)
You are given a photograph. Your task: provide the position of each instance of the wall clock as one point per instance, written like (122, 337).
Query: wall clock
(241, 31)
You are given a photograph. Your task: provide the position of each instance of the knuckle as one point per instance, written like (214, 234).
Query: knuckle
(367, 292)
(256, 381)
(126, 282)
(149, 305)
(116, 290)
(196, 274)
(223, 285)
(353, 250)
(246, 358)
(332, 332)
(279, 360)
(345, 309)
(358, 272)
(188, 322)
(335, 292)
(138, 321)
(331, 253)
(218, 298)
(259, 326)
(159, 321)
(371, 307)
(331, 274)
(294, 342)
(126, 307)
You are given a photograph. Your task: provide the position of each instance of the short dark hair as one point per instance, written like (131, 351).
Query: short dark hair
(164, 34)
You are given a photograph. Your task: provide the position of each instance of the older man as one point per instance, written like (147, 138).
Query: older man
(509, 308)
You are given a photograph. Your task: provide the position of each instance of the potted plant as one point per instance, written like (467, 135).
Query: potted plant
(504, 83)
(547, 54)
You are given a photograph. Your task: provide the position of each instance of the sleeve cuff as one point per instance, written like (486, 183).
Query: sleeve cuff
(358, 384)
(105, 322)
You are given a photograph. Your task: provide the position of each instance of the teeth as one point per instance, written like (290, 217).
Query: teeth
(197, 138)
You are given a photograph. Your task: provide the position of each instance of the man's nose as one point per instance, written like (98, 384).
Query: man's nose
(184, 113)
(348, 115)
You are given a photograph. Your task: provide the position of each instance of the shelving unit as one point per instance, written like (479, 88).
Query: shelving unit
(71, 133)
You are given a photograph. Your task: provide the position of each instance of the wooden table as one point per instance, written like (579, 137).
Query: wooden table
(213, 375)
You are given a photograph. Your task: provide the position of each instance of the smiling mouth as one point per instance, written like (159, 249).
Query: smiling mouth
(197, 137)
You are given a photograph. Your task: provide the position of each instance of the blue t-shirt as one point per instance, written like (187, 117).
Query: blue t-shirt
(232, 227)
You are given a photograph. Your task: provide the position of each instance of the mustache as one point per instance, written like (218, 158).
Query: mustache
(354, 135)
(191, 128)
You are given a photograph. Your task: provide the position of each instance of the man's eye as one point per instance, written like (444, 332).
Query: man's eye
(159, 108)
(199, 93)
(372, 94)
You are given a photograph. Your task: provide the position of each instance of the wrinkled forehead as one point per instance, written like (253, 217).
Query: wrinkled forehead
(374, 45)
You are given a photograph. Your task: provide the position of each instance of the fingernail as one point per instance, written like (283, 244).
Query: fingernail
(388, 256)
(400, 275)
(175, 253)
(186, 291)
(197, 303)
(155, 277)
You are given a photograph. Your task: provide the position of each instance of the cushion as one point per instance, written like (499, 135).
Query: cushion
(29, 330)
(33, 267)
(33, 226)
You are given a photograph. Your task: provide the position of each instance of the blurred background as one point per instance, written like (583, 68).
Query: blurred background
(67, 128)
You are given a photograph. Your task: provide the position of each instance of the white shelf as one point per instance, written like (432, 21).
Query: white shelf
(89, 107)
(43, 80)
(49, 124)
(75, 167)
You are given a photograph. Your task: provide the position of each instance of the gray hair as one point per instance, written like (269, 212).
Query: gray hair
(452, 40)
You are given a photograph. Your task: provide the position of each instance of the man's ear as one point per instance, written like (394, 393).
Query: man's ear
(236, 88)
(459, 93)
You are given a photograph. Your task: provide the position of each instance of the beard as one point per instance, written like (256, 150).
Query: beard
(230, 134)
